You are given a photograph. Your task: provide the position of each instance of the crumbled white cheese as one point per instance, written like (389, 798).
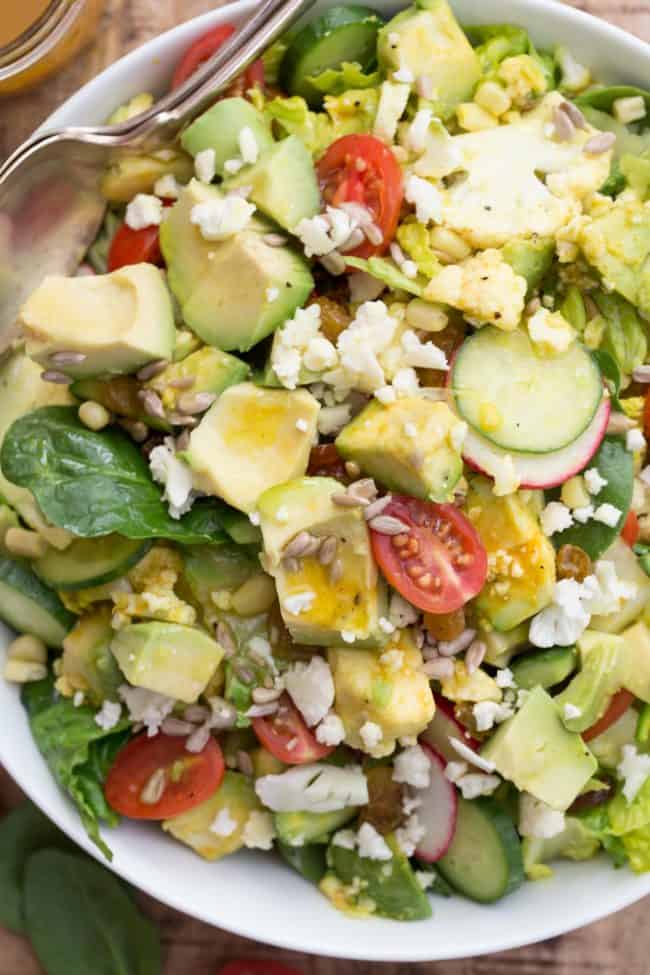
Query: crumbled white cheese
(406, 383)
(455, 771)
(409, 835)
(401, 613)
(594, 480)
(634, 770)
(320, 354)
(551, 331)
(313, 788)
(504, 677)
(571, 711)
(537, 819)
(371, 844)
(331, 730)
(425, 198)
(311, 688)
(422, 355)
(555, 517)
(205, 165)
(223, 824)
(346, 839)
(608, 592)
(418, 131)
(634, 440)
(565, 619)
(332, 419)
(248, 146)
(259, 831)
(477, 784)
(489, 713)
(386, 626)
(425, 879)
(404, 75)
(143, 211)
(326, 232)
(584, 514)
(167, 469)
(371, 735)
(413, 767)
(359, 345)
(254, 518)
(385, 395)
(348, 636)
(300, 602)
(146, 707)
(108, 715)
(78, 699)
(232, 166)
(221, 217)
(167, 187)
(608, 514)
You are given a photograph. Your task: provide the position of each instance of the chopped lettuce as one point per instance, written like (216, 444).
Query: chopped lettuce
(496, 42)
(637, 848)
(388, 272)
(627, 817)
(272, 57)
(349, 113)
(414, 240)
(350, 74)
(624, 334)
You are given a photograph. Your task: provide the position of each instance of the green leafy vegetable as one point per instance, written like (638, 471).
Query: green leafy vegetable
(308, 860)
(496, 42)
(643, 553)
(386, 271)
(291, 116)
(97, 254)
(96, 483)
(414, 239)
(273, 56)
(22, 832)
(573, 309)
(597, 822)
(602, 98)
(612, 375)
(336, 81)
(624, 334)
(626, 817)
(78, 752)
(81, 919)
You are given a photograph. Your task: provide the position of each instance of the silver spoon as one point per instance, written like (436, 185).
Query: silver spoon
(50, 202)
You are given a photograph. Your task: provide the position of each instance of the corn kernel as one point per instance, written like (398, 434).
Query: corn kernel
(574, 493)
(473, 118)
(256, 595)
(24, 543)
(448, 242)
(425, 316)
(29, 649)
(23, 671)
(94, 415)
(493, 98)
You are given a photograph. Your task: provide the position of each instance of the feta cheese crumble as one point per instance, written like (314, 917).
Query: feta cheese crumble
(594, 480)
(412, 767)
(634, 770)
(634, 440)
(371, 844)
(313, 788)
(143, 211)
(223, 824)
(489, 713)
(409, 835)
(167, 187)
(505, 678)
(477, 784)
(248, 147)
(331, 730)
(311, 688)
(168, 470)
(537, 819)
(146, 707)
(259, 831)
(425, 198)
(571, 711)
(205, 165)
(555, 517)
(221, 217)
(608, 514)
(108, 715)
(371, 735)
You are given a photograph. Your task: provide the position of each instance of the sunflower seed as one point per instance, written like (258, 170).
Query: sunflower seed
(345, 500)
(152, 404)
(574, 114)
(475, 656)
(365, 488)
(266, 695)
(334, 263)
(563, 127)
(136, 429)
(53, 376)
(198, 739)
(327, 552)
(151, 369)
(376, 507)
(225, 639)
(352, 469)
(184, 382)
(182, 420)
(154, 787)
(176, 728)
(336, 571)
(387, 525)
(619, 423)
(355, 239)
(291, 565)
(439, 668)
(196, 713)
(224, 714)
(68, 358)
(449, 648)
(374, 234)
(274, 240)
(195, 402)
(600, 143)
(245, 762)
(641, 374)
(183, 440)
(262, 710)
(298, 545)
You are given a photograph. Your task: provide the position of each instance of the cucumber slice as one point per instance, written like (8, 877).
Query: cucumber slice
(345, 33)
(28, 606)
(90, 562)
(545, 669)
(484, 861)
(520, 400)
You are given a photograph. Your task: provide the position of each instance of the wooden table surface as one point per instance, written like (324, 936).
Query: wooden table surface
(620, 944)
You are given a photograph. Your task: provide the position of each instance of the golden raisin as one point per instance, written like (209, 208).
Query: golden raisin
(445, 626)
(334, 317)
(573, 563)
(384, 809)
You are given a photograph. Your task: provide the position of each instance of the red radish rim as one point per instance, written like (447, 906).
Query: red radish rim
(438, 766)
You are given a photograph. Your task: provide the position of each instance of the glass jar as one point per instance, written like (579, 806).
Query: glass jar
(51, 32)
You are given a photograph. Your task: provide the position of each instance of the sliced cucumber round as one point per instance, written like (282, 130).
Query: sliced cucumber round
(90, 561)
(28, 606)
(484, 861)
(520, 400)
(548, 668)
(345, 33)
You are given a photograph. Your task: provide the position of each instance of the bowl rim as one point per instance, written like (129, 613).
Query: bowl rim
(288, 938)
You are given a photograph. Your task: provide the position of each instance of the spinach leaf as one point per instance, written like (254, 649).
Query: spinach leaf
(22, 832)
(612, 375)
(96, 483)
(80, 919)
(78, 752)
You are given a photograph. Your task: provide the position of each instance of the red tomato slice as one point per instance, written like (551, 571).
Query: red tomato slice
(257, 967)
(190, 778)
(286, 736)
(361, 169)
(204, 48)
(325, 461)
(440, 563)
(631, 530)
(135, 247)
(617, 708)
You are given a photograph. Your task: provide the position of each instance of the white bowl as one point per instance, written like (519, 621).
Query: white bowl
(255, 895)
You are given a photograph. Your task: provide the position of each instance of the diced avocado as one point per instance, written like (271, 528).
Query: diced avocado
(399, 701)
(236, 797)
(223, 286)
(502, 647)
(186, 342)
(635, 660)
(8, 519)
(250, 440)
(354, 601)
(210, 569)
(309, 861)
(427, 40)
(388, 887)
(464, 686)
(211, 370)
(575, 842)
(530, 259)
(426, 465)
(299, 828)
(599, 678)
(548, 668)
(512, 537)
(629, 571)
(539, 755)
(87, 663)
(219, 129)
(617, 244)
(121, 396)
(130, 316)
(130, 174)
(283, 182)
(167, 657)
(608, 746)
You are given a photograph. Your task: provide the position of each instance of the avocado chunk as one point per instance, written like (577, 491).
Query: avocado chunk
(502, 647)
(118, 322)
(240, 528)
(212, 569)
(210, 370)
(628, 570)
(607, 747)
(427, 40)
(512, 537)
(87, 663)
(308, 861)
(223, 286)
(575, 842)
(250, 440)
(130, 174)
(599, 678)
(426, 465)
(369, 689)
(283, 182)
(548, 668)
(352, 600)
(234, 800)
(169, 658)
(389, 888)
(534, 750)
(617, 244)
(530, 259)
(300, 828)
(219, 129)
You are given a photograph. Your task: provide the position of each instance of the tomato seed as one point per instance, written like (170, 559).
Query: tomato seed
(399, 541)
(425, 580)
(414, 571)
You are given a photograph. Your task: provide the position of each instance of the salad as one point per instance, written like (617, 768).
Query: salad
(326, 497)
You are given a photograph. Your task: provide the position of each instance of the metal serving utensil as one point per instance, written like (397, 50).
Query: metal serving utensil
(50, 202)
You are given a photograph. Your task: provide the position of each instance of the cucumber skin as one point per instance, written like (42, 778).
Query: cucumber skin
(18, 576)
(564, 658)
(90, 582)
(509, 842)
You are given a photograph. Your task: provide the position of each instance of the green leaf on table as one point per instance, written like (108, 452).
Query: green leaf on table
(82, 921)
(95, 483)
(78, 752)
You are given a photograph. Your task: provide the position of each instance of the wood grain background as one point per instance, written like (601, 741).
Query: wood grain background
(620, 944)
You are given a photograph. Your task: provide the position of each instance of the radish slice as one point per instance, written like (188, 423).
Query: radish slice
(444, 725)
(540, 470)
(437, 812)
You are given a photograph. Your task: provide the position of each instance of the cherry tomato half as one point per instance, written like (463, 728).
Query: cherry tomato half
(135, 247)
(325, 461)
(189, 778)
(630, 532)
(617, 708)
(361, 169)
(440, 563)
(257, 967)
(286, 736)
(207, 45)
